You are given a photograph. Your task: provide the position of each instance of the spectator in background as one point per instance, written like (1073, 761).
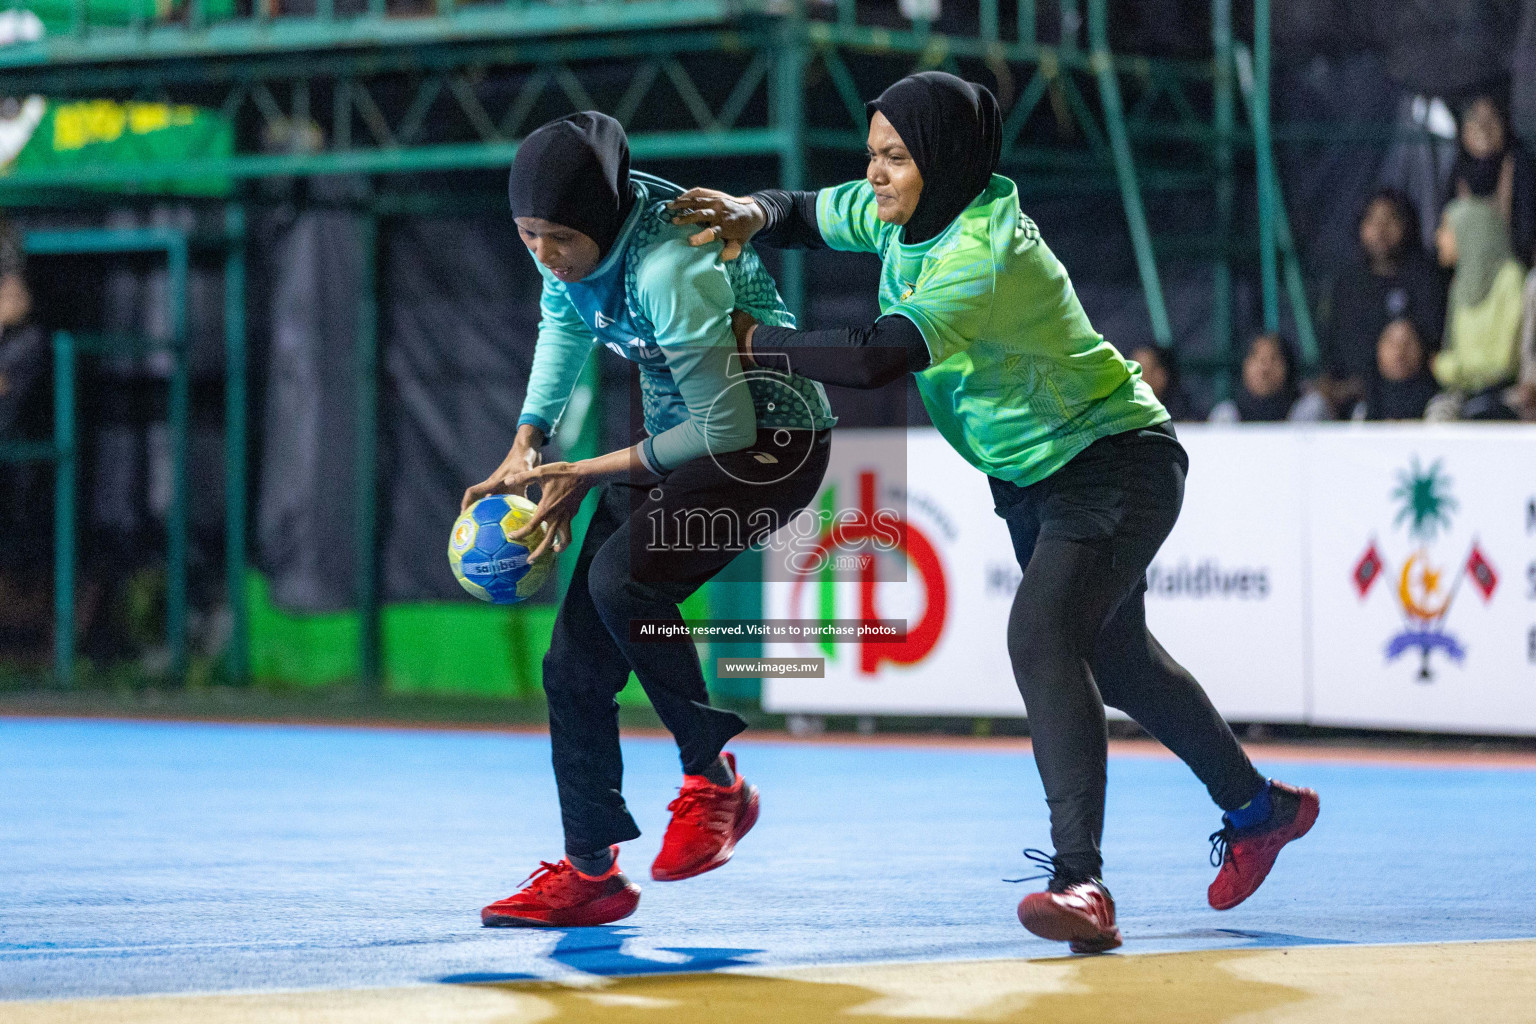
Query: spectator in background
(1267, 390)
(1491, 164)
(1477, 359)
(25, 586)
(1402, 385)
(1521, 399)
(22, 355)
(1160, 369)
(1394, 279)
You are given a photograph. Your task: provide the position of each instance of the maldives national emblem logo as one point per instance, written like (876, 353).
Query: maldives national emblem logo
(1424, 589)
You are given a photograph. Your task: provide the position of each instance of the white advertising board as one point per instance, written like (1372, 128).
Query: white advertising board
(1361, 575)
(960, 578)
(1423, 566)
(1226, 594)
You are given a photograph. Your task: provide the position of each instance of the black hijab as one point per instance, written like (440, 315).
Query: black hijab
(574, 171)
(954, 131)
(1481, 174)
(1400, 400)
(1273, 408)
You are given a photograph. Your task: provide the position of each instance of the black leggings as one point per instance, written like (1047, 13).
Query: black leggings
(1078, 634)
(648, 547)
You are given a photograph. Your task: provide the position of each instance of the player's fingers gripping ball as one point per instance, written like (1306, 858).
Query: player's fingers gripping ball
(485, 559)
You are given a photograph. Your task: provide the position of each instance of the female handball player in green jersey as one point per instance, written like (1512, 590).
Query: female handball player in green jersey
(1082, 462)
(744, 454)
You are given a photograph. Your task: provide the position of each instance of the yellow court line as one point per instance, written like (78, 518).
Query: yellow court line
(1446, 983)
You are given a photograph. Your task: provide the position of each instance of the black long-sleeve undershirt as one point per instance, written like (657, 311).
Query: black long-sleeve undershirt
(791, 220)
(851, 357)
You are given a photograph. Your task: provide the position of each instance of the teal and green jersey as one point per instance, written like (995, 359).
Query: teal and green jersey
(666, 306)
(1019, 381)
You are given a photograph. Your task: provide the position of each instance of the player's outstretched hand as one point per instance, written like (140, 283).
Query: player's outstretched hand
(562, 485)
(724, 218)
(523, 457)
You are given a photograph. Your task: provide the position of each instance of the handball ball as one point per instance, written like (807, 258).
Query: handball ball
(486, 561)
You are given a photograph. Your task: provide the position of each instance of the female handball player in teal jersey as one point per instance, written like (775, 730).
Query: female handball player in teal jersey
(1082, 462)
(726, 459)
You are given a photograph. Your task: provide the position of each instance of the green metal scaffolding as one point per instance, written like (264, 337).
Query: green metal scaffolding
(62, 449)
(1085, 118)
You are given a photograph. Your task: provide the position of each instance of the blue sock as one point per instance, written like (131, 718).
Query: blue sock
(1254, 812)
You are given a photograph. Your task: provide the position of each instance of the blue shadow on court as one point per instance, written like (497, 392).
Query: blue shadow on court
(601, 951)
(1268, 940)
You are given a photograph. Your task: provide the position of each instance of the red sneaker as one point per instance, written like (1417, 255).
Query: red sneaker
(557, 895)
(1246, 855)
(707, 823)
(1082, 915)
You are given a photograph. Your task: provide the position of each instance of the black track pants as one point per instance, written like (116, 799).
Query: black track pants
(648, 547)
(1078, 635)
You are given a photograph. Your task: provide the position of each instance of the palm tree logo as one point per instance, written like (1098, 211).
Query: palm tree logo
(1427, 503)
(1425, 591)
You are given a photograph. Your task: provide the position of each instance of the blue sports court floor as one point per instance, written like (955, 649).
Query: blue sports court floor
(143, 858)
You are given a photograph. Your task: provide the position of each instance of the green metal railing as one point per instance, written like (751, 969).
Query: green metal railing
(236, 445)
(173, 245)
(273, 66)
(365, 534)
(1277, 247)
(1125, 171)
(1224, 111)
(192, 33)
(62, 450)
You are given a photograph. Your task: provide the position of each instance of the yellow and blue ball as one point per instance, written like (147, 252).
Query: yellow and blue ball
(485, 559)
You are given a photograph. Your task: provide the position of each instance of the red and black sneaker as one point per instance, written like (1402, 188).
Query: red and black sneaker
(1078, 912)
(557, 895)
(707, 823)
(1245, 855)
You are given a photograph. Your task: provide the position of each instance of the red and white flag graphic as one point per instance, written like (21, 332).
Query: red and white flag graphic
(1367, 569)
(1483, 576)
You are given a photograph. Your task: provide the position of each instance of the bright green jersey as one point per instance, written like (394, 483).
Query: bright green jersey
(1020, 382)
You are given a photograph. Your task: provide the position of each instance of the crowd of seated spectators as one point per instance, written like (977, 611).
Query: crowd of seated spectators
(1439, 333)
